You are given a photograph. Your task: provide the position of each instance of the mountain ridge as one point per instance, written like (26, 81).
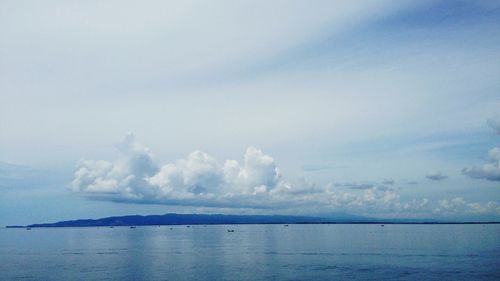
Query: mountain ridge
(207, 219)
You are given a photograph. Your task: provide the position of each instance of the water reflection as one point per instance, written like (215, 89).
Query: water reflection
(252, 252)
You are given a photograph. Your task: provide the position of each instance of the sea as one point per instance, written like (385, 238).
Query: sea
(253, 252)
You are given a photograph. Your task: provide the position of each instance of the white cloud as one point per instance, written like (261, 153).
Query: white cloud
(489, 171)
(458, 206)
(125, 176)
(256, 183)
(435, 176)
(197, 174)
(196, 180)
(258, 172)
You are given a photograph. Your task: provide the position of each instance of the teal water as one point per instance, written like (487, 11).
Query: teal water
(253, 252)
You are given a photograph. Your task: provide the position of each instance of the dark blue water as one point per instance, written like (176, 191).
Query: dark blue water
(253, 252)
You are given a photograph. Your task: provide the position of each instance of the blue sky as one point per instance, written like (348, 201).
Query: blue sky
(377, 108)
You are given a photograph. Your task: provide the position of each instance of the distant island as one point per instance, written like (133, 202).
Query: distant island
(202, 219)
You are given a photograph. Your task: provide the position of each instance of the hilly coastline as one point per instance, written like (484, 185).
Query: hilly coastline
(204, 219)
(194, 219)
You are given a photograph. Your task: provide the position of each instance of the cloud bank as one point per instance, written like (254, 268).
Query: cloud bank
(200, 180)
(458, 206)
(197, 180)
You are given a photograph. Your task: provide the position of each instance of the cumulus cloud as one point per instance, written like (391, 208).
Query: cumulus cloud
(489, 171)
(494, 123)
(125, 176)
(200, 180)
(196, 180)
(435, 176)
(458, 206)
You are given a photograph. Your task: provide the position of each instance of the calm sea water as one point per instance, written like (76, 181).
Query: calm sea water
(253, 252)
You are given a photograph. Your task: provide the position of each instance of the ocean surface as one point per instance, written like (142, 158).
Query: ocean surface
(253, 252)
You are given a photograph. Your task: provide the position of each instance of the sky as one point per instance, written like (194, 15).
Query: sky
(386, 109)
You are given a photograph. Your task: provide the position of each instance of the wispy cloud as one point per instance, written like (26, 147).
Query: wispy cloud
(435, 176)
(355, 185)
(388, 181)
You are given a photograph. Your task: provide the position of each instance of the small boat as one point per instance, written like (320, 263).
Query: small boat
(28, 228)
(111, 227)
(188, 226)
(382, 225)
(171, 228)
(132, 227)
(230, 230)
(286, 225)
